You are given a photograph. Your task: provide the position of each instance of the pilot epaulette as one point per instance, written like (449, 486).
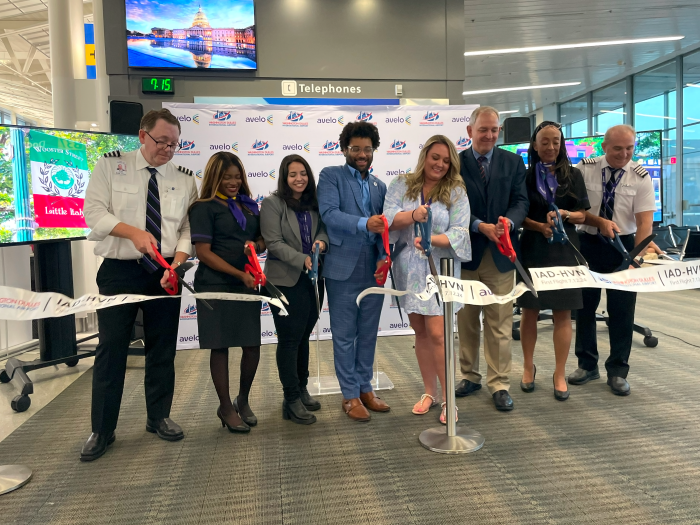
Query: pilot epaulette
(186, 171)
(639, 170)
(589, 160)
(115, 153)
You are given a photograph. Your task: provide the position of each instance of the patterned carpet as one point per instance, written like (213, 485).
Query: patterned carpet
(596, 458)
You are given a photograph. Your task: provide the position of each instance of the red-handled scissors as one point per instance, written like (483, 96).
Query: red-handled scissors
(254, 269)
(384, 270)
(174, 277)
(506, 248)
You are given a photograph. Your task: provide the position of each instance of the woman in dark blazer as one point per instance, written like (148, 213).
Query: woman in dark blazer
(291, 226)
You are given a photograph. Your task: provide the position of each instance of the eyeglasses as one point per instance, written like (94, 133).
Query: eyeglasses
(163, 146)
(357, 149)
(545, 124)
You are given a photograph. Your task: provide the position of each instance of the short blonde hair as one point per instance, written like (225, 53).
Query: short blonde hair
(149, 120)
(481, 110)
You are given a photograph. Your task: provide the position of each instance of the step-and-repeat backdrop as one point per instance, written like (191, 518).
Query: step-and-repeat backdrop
(263, 135)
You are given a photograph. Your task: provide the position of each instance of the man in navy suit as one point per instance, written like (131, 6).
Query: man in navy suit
(351, 201)
(495, 180)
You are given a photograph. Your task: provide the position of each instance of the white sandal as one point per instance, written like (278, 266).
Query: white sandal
(443, 413)
(422, 398)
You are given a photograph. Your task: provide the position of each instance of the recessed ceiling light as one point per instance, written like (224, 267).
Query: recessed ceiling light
(521, 88)
(509, 111)
(693, 85)
(570, 46)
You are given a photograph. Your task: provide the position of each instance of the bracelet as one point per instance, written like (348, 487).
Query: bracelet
(414, 211)
(178, 264)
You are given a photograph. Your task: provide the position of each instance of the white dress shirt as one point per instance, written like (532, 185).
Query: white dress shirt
(634, 193)
(117, 193)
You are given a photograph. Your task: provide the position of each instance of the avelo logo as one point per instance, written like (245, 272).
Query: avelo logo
(195, 119)
(272, 174)
(431, 118)
(331, 120)
(306, 147)
(364, 116)
(268, 333)
(262, 174)
(394, 173)
(269, 120)
(399, 325)
(198, 174)
(260, 120)
(187, 118)
(224, 147)
(461, 119)
(293, 147)
(398, 120)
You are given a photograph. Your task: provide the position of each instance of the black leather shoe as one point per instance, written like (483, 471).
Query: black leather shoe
(529, 387)
(165, 428)
(466, 387)
(503, 400)
(581, 376)
(245, 412)
(241, 428)
(560, 395)
(309, 402)
(619, 385)
(96, 446)
(297, 412)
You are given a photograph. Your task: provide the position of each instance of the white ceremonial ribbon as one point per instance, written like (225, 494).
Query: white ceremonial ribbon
(662, 277)
(17, 304)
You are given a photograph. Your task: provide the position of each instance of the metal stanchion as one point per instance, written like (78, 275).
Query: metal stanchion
(13, 477)
(450, 439)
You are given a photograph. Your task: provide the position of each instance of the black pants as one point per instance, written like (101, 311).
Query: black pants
(160, 323)
(604, 258)
(293, 333)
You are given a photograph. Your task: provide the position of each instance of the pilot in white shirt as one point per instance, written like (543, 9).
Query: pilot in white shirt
(621, 195)
(136, 201)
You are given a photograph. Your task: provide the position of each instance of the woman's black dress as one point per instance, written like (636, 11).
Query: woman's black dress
(230, 323)
(537, 252)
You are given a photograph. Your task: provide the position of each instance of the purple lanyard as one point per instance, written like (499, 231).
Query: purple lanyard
(608, 195)
(422, 199)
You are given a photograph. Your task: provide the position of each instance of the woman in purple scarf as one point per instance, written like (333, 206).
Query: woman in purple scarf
(550, 179)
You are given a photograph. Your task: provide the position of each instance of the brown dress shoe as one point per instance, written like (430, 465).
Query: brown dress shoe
(371, 401)
(355, 409)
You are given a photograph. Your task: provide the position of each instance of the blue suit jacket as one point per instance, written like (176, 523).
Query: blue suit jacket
(507, 197)
(340, 204)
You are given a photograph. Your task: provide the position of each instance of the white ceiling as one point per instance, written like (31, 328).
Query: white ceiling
(497, 24)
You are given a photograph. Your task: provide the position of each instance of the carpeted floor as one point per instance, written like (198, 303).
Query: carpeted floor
(596, 458)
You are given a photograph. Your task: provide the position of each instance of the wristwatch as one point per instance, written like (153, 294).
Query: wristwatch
(568, 215)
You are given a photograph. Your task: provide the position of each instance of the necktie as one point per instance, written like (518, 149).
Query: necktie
(482, 169)
(607, 206)
(153, 220)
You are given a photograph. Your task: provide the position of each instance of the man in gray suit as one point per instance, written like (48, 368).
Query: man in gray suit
(351, 201)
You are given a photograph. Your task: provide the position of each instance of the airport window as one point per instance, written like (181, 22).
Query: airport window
(609, 107)
(691, 139)
(574, 117)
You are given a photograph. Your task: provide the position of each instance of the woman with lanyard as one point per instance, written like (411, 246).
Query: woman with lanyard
(436, 185)
(291, 226)
(550, 179)
(224, 222)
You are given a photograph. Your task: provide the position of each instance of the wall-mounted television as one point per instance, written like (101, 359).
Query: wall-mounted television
(647, 152)
(177, 34)
(44, 174)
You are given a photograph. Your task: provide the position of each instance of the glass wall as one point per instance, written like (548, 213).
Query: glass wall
(574, 117)
(691, 139)
(609, 107)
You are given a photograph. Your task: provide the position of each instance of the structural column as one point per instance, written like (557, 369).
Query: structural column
(101, 67)
(62, 73)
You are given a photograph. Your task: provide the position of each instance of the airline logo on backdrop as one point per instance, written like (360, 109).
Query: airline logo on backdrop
(224, 147)
(463, 143)
(398, 147)
(331, 120)
(371, 170)
(265, 310)
(296, 147)
(272, 174)
(394, 173)
(260, 120)
(198, 174)
(190, 312)
(295, 119)
(330, 147)
(363, 116)
(188, 147)
(262, 257)
(463, 119)
(398, 120)
(186, 118)
(222, 118)
(259, 200)
(261, 147)
(431, 118)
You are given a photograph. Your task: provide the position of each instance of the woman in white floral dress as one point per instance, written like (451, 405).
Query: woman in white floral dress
(436, 184)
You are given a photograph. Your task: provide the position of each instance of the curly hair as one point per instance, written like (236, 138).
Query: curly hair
(452, 180)
(359, 129)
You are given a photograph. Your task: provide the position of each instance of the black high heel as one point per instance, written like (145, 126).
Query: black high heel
(297, 412)
(560, 395)
(245, 412)
(529, 387)
(240, 429)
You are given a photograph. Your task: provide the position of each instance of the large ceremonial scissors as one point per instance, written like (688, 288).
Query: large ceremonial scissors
(628, 258)
(559, 233)
(424, 231)
(506, 248)
(386, 268)
(175, 276)
(254, 269)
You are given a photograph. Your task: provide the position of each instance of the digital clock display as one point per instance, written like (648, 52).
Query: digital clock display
(157, 85)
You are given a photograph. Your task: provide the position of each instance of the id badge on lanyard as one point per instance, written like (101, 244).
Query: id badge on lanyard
(610, 195)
